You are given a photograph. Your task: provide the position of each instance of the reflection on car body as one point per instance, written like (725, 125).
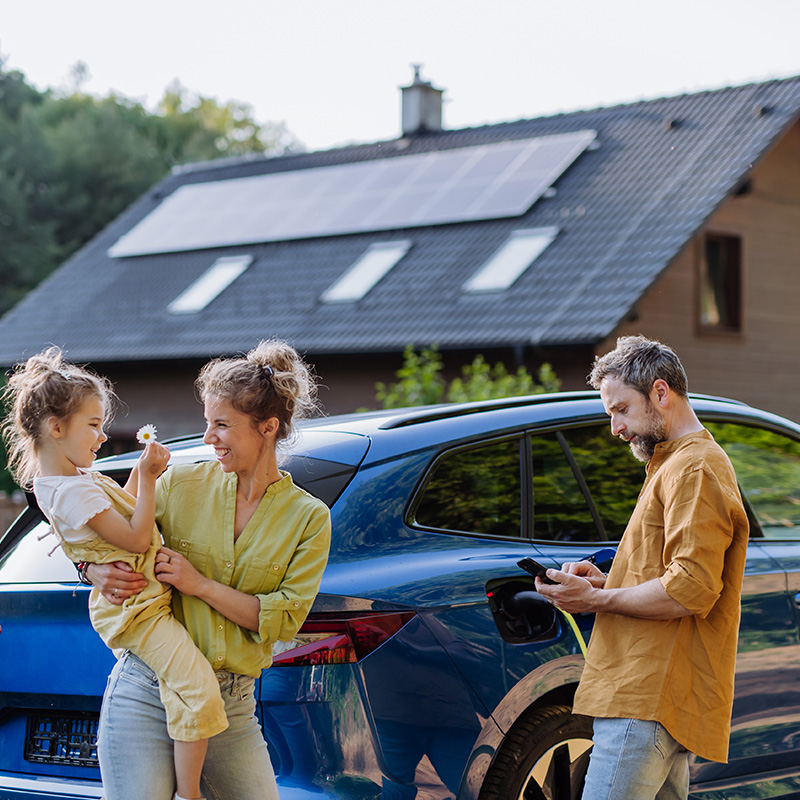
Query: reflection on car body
(428, 666)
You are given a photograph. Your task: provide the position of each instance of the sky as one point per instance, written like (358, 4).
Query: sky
(331, 69)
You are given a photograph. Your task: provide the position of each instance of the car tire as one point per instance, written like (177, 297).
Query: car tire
(543, 757)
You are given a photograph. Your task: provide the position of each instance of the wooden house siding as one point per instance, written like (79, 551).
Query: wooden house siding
(761, 364)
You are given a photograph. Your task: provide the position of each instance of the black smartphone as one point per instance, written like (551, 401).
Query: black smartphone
(535, 569)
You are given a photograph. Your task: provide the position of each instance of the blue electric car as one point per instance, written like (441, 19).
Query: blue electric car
(429, 667)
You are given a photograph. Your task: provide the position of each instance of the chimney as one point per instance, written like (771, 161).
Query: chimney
(422, 106)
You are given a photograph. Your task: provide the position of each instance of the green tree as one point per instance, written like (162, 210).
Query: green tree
(420, 381)
(71, 162)
(197, 128)
(7, 485)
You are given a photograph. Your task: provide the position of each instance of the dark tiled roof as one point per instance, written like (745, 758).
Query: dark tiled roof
(624, 210)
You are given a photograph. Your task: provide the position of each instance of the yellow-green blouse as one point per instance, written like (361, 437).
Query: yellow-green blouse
(279, 557)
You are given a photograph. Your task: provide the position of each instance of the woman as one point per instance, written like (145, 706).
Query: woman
(245, 550)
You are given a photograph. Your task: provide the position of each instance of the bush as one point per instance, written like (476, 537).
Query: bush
(421, 382)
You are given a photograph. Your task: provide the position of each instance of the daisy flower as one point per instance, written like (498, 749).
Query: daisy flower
(146, 434)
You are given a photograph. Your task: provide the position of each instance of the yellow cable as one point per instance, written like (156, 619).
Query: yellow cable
(576, 630)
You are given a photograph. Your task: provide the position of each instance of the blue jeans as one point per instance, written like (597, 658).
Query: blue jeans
(136, 753)
(634, 758)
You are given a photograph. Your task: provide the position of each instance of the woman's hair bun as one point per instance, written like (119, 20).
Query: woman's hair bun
(272, 380)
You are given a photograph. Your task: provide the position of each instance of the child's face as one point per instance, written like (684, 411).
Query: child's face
(82, 434)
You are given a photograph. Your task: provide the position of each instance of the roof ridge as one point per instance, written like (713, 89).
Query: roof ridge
(403, 142)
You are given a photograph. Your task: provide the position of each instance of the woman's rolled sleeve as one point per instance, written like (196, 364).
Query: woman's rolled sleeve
(284, 610)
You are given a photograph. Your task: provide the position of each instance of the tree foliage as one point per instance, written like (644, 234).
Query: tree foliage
(420, 381)
(70, 162)
(7, 485)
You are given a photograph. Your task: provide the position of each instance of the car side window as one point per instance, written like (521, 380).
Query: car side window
(613, 476)
(475, 490)
(767, 467)
(560, 510)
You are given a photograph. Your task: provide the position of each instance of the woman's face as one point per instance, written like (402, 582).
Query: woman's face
(238, 444)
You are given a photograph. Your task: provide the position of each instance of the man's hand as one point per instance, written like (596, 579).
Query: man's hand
(577, 595)
(570, 592)
(116, 581)
(585, 569)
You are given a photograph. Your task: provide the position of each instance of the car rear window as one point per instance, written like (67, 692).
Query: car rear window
(474, 490)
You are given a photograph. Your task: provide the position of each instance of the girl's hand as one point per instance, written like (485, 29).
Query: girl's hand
(177, 571)
(154, 459)
(116, 581)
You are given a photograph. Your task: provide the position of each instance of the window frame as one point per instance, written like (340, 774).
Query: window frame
(505, 267)
(702, 282)
(208, 286)
(366, 272)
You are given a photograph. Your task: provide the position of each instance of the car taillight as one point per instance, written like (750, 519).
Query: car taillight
(341, 639)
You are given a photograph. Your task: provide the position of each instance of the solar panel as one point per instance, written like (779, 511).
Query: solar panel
(502, 179)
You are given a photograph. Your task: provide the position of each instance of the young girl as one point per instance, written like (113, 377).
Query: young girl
(53, 433)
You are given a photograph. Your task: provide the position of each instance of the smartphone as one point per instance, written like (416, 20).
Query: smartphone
(535, 569)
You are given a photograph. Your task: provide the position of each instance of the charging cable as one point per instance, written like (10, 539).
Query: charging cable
(576, 630)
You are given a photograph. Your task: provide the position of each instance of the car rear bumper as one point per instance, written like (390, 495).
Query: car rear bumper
(14, 787)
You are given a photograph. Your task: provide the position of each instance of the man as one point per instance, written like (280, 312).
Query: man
(659, 669)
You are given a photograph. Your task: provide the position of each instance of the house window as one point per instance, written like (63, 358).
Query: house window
(521, 249)
(721, 283)
(210, 284)
(373, 265)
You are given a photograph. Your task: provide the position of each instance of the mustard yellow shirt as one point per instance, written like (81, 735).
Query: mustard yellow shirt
(689, 529)
(279, 557)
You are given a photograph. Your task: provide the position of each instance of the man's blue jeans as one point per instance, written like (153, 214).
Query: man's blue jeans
(634, 758)
(136, 754)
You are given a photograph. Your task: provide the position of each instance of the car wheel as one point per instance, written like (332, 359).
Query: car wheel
(543, 757)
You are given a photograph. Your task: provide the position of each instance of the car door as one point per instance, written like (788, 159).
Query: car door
(762, 728)
(765, 726)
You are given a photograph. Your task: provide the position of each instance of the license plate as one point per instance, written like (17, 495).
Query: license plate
(62, 739)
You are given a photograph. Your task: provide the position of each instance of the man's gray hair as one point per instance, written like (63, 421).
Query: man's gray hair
(639, 362)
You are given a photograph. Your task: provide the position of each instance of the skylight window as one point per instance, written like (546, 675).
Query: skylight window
(373, 265)
(223, 272)
(511, 260)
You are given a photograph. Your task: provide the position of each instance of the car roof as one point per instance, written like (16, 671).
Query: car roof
(345, 438)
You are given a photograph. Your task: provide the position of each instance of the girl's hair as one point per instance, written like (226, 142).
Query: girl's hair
(44, 386)
(272, 380)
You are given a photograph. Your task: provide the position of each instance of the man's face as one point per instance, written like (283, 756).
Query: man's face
(634, 418)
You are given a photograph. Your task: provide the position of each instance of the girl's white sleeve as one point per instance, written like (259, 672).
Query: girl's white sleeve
(74, 504)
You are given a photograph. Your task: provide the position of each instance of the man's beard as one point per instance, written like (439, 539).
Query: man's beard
(643, 446)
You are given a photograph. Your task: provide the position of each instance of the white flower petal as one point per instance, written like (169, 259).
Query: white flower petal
(145, 434)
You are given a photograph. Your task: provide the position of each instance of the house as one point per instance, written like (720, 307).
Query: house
(528, 241)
